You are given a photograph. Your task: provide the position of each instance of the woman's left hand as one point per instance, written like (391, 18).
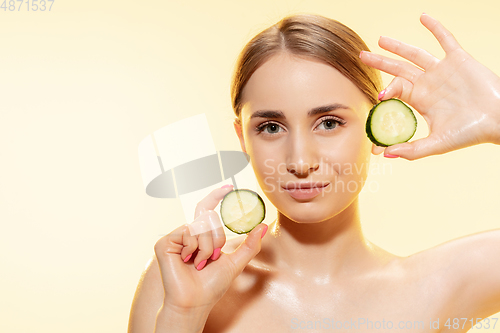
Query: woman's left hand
(458, 97)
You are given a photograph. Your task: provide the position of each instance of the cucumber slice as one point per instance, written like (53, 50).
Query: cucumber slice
(390, 122)
(242, 210)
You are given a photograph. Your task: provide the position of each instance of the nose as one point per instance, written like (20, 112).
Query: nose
(302, 156)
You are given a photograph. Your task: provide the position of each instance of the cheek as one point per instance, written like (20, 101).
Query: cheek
(265, 162)
(349, 154)
(268, 171)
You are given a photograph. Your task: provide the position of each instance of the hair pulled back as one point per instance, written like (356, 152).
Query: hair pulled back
(312, 36)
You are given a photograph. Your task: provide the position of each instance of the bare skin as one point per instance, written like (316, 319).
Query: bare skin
(380, 287)
(314, 264)
(429, 285)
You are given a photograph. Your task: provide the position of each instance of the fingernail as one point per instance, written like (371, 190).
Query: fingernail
(381, 95)
(361, 53)
(188, 257)
(264, 231)
(391, 156)
(201, 264)
(226, 186)
(216, 254)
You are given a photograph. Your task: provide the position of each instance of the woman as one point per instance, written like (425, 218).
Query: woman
(301, 93)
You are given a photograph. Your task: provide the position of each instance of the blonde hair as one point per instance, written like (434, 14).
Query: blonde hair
(311, 36)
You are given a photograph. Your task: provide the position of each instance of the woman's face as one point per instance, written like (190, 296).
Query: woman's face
(302, 121)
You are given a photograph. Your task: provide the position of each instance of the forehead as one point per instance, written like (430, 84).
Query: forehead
(290, 83)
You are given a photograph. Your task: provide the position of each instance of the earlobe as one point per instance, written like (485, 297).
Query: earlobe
(376, 150)
(239, 132)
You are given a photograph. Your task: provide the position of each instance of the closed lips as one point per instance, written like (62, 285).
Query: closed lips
(304, 186)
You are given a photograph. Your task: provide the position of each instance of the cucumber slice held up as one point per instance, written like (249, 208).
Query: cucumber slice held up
(390, 122)
(242, 210)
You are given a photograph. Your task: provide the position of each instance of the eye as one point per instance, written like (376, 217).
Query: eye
(269, 128)
(331, 122)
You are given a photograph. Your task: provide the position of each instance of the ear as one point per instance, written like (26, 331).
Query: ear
(377, 149)
(239, 132)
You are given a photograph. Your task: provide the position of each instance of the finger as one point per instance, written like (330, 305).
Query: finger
(171, 243)
(206, 229)
(219, 239)
(211, 200)
(391, 66)
(190, 245)
(444, 37)
(205, 249)
(376, 150)
(247, 250)
(419, 57)
(209, 221)
(206, 221)
(169, 247)
(398, 88)
(416, 149)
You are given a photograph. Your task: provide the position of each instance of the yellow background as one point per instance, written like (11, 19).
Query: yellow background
(83, 84)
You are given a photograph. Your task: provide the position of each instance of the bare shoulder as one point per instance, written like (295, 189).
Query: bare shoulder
(148, 299)
(465, 271)
(456, 255)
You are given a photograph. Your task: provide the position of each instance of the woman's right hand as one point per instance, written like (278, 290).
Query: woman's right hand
(194, 276)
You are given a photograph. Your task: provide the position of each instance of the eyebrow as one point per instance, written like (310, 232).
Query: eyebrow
(277, 114)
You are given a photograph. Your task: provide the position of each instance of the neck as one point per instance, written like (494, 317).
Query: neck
(322, 250)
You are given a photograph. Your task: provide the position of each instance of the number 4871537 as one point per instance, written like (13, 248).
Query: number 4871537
(27, 5)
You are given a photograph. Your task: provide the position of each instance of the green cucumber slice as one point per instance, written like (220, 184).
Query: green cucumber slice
(242, 210)
(390, 122)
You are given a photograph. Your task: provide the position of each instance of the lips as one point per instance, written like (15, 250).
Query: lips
(304, 186)
(305, 191)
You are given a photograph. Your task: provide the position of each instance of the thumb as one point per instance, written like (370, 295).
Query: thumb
(414, 150)
(247, 250)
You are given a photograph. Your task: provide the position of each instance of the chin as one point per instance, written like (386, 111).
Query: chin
(315, 211)
(306, 216)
